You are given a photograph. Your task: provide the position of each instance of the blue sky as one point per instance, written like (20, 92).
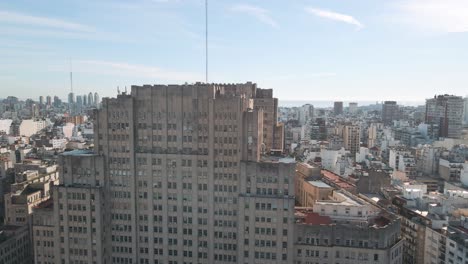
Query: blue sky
(404, 50)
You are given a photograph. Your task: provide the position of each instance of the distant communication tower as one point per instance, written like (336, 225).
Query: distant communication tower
(206, 41)
(71, 76)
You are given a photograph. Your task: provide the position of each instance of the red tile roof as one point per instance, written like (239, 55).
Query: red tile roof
(337, 180)
(316, 219)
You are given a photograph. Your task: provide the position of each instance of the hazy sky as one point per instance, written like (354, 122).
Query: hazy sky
(304, 49)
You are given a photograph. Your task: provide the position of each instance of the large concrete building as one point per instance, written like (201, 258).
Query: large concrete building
(43, 233)
(353, 107)
(390, 112)
(338, 108)
(15, 244)
(178, 175)
(447, 112)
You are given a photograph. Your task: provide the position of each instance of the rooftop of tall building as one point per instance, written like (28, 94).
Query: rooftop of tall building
(306, 216)
(344, 198)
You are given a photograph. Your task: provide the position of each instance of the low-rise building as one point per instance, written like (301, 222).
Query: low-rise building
(372, 181)
(19, 203)
(311, 191)
(450, 171)
(346, 229)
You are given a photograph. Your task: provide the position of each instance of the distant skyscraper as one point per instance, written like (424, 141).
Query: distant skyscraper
(390, 112)
(338, 108)
(353, 108)
(57, 101)
(447, 112)
(79, 100)
(85, 99)
(49, 100)
(35, 110)
(41, 100)
(78, 107)
(90, 99)
(71, 98)
(306, 113)
(97, 101)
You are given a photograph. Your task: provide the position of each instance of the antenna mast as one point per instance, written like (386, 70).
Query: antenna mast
(71, 76)
(206, 41)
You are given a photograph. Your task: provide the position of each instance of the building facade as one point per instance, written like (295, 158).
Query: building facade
(447, 112)
(15, 244)
(390, 112)
(346, 229)
(352, 139)
(178, 175)
(338, 108)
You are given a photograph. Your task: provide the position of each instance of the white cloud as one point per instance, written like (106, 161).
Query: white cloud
(334, 16)
(53, 33)
(259, 13)
(24, 19)
(137, 71)
(434, 15)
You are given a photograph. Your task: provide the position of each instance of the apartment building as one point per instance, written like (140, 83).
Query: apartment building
(390, 112)
(450, 170)
(33, 185)
(346, 229)
(29, 127)
(447, 112)
(352, 138)
(338, 108)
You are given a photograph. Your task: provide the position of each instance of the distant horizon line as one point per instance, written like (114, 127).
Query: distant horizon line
(292, 103)
(329, 103)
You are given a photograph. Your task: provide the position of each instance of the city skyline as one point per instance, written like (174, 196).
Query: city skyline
(306, 50)
(212, 173)
(332, 132)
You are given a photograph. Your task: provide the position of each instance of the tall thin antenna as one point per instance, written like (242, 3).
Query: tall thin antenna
(206, 41)
(71, 76)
